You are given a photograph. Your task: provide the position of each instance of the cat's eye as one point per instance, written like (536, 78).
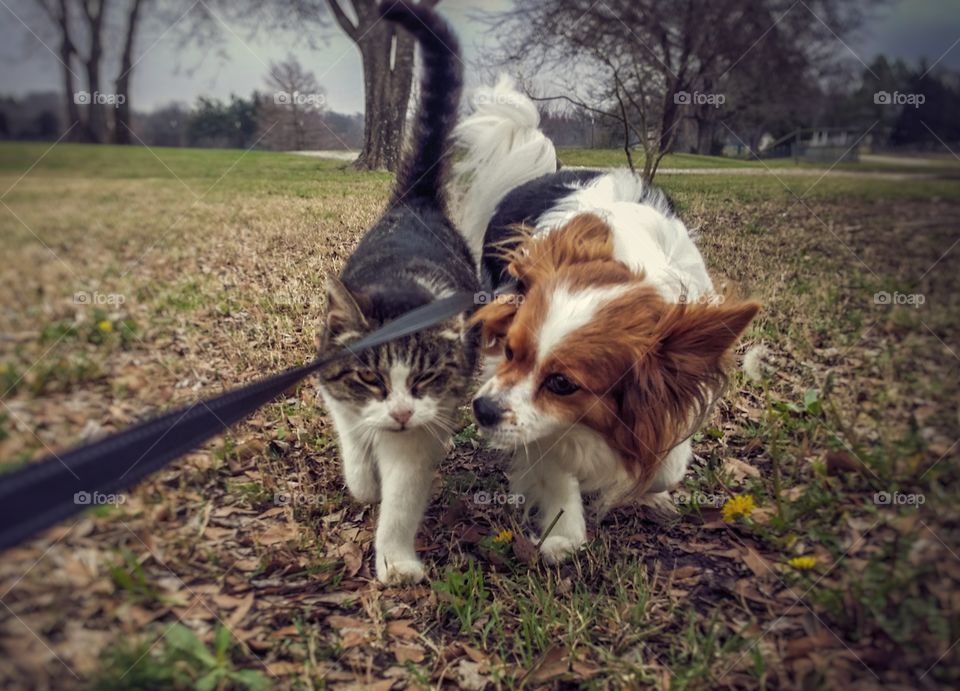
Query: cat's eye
(424, 378)
(368, 376)
(559, 384)
(508, 352)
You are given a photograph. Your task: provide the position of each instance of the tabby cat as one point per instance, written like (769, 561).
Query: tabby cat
(394, 407)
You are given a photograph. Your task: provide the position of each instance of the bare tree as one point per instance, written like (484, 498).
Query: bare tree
(88, 16)
(81, 28)
(59, 15)
(647, 65)
(294, 93)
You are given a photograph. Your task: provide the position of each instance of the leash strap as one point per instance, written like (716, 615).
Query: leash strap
(57, 486)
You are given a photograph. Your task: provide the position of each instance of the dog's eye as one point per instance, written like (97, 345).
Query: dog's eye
(559, 384)
(508, 352)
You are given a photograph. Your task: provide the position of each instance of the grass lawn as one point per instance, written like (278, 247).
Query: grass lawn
(135, 281)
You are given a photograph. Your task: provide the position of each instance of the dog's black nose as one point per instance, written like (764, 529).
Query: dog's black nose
(486, 411)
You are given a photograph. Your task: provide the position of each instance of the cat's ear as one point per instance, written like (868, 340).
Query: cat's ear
(343, 313)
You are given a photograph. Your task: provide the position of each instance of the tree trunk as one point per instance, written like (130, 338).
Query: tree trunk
(386, 83)
(121, 117)
(650, 158)
(297, 124)
(95, 112)
(706, 128)
(386, 95)
(70, 88)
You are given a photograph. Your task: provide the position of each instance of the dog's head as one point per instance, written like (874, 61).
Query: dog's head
(590, 342)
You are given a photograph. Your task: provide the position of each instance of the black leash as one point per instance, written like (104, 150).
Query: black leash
(49, 490)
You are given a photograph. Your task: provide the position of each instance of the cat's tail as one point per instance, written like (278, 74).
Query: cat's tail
(422, 169)
(502, 148)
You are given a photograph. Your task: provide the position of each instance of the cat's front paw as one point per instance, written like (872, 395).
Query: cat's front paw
(558, 548)
(365, 493)
(363, 485)
(401, 572)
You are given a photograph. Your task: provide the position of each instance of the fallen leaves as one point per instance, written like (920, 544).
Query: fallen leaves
(408, 653)
(293, 583)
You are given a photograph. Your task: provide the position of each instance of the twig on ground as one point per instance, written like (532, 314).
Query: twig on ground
(546, 533)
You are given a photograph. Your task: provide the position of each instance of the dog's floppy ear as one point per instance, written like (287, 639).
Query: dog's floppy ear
(344, 316)
(675, 379)
(695, 338)
(496, 318)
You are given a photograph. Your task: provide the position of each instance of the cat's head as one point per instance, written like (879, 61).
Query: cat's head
(408, 383)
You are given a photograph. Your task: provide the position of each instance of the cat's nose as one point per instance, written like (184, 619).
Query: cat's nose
(486, 410)
(402, 415)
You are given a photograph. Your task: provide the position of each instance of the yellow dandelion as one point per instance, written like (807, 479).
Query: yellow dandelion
(503, 536)
(105, 326)
(736, 507)
(4, 368)
(803, 563)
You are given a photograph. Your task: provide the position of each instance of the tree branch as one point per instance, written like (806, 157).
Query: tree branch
(349, 28)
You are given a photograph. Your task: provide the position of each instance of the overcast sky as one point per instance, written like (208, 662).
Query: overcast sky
(911, 29)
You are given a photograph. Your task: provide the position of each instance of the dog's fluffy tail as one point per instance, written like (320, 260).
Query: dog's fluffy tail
(502, 147)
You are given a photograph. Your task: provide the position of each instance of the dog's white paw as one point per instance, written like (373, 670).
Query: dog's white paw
(400, 572)
(557, 548)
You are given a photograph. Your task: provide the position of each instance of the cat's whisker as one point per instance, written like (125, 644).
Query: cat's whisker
(445, 425)
(433, 434)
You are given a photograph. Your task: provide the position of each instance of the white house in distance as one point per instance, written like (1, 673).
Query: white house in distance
(816, 144)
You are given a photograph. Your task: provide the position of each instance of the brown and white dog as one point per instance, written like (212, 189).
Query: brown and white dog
(608, 353)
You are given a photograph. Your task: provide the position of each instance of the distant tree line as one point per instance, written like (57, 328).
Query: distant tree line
(237, 122)
(913, 107)
(289, 114)
(901, 106)
(897, 105)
